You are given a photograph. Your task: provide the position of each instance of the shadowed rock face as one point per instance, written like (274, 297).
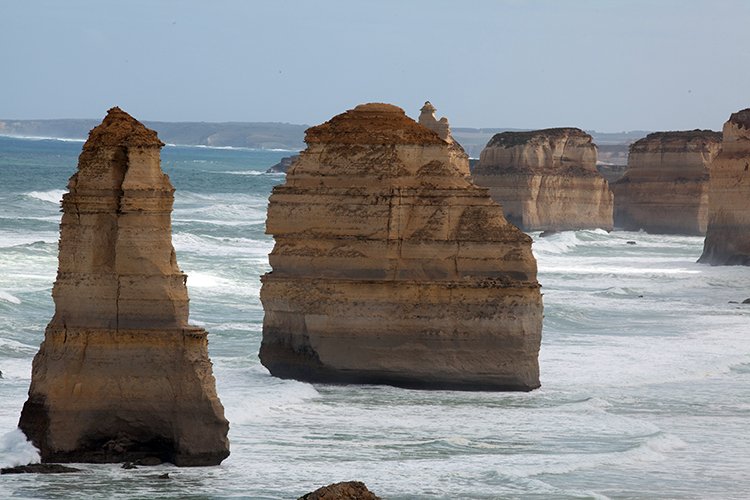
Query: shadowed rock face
(121, 375)
(546, 179)
(665, 189)
(391, 267)
(728, 234)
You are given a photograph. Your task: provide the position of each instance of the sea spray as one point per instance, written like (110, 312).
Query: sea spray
(16, 450)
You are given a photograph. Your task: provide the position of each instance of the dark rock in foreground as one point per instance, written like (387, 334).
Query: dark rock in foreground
(39, 469)
(350, 490)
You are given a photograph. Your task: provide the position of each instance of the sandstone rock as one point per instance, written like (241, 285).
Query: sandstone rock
(440, 127)
(350, 490)
(391, 267)
(121, 375)
(546, 180)
(665, 188)
(728, 233)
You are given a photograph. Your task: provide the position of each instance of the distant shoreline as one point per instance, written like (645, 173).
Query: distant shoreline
(271, 136)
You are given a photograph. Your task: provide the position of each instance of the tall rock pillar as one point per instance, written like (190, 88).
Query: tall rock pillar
(121, 375)
(391, 267)
(728, 234)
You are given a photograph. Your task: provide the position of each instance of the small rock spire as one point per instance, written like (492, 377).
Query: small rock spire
(440, 127)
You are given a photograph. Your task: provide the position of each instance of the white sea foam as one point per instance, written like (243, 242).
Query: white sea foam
(221, 247)
(242, 172)
(10, 239)
(7, 297)
(43, 138)
(15, 450)
(51, 196)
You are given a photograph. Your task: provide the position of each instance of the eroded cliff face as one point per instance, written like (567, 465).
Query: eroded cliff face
(121, 375)
(728, 234)
(665, 188)
(546, 180)
(391, 267)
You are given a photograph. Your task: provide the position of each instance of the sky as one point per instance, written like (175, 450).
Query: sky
(604, 65)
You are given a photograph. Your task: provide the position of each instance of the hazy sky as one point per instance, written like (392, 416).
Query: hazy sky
(607, 65)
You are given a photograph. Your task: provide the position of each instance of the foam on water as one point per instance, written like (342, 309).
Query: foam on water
(7, 297)
(51, 196)
(15, 450)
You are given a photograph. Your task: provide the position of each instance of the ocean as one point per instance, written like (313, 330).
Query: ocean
(645, 364)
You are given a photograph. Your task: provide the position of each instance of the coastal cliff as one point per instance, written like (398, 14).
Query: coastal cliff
(546, 180)
(391, 267)
(665, 188)
(728, 233)
(121, 375)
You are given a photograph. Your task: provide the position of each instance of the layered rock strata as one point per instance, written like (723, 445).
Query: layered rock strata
(121, 375)
(391, 267)
(728, 233)
(546, 180)
(665, 188)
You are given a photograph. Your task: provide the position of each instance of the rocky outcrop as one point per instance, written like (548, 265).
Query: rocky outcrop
(39, 469)
(728, 234)
(665, 188)
(391, 267)
(121, 375)
(283, 165)
(546, 180)
(349, 490)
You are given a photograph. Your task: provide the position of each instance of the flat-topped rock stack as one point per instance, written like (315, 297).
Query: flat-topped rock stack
(728, 233)
(391, 267)
(121, 375)
(665, 188)
(546, 180)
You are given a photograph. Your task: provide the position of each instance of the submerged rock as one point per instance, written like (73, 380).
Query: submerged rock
(728, 233)
(39, 469)
(665, 188)
(350, 490)
(391, 267)
(121, 375)
(546, 180)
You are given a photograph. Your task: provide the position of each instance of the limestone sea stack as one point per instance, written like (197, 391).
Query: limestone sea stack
(665, 188)
(121, 375)
(546, 180)
(391, 267)
(728, 233)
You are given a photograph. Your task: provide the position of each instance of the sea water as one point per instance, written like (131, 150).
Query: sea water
(645, 364)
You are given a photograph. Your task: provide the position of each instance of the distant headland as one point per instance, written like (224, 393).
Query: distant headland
(613, 147)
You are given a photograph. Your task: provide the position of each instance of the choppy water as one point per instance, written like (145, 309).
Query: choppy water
(645, 364)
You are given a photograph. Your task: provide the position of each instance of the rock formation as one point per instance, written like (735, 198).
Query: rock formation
(440, 127)
(728, 233)
(391, 267)
(665, 188)
(349, 490)
(546, 180)
(121, 375)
